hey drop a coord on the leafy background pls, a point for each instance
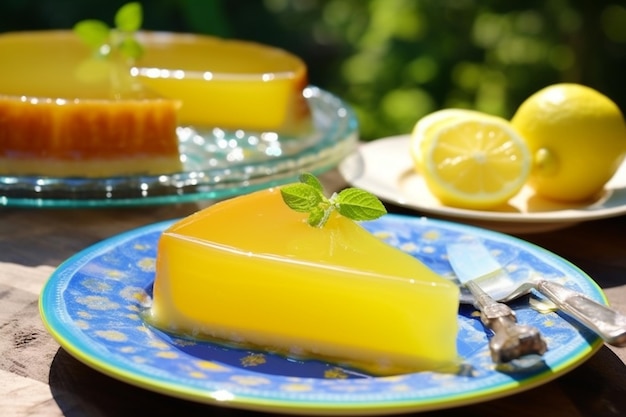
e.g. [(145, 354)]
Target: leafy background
[(396, 60)]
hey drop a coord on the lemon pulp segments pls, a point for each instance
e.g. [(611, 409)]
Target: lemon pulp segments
[(473, 161), (428, 121)]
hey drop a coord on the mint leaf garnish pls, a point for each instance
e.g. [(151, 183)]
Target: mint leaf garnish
[(308, 197), (129, 17), (358, 204), (310, 179), (130, 48), (317, 217), (93, 33), (103, 39), (302, 197)]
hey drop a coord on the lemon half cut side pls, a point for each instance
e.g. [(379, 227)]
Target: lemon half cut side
[(424, 124), (472, 160)]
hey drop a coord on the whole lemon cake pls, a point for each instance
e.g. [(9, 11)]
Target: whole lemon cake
[(251, 271), (64, 113)]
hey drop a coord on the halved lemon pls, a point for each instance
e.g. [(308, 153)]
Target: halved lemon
[(470, 159), (426, 122)]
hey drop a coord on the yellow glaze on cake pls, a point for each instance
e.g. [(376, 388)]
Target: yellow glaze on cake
[(227, 83), (250, 270)]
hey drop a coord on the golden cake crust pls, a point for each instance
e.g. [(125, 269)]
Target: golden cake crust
[(36, 135)]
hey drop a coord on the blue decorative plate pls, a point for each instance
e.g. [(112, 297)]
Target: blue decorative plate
[(92, 306)]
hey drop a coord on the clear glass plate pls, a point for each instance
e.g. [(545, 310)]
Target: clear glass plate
[(217, 164)]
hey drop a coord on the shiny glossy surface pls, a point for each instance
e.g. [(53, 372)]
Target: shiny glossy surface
[(226, 83)]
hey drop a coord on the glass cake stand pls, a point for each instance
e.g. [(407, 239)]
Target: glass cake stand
[(217, 164)]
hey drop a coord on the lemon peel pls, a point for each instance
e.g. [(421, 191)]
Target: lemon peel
[(577, 137)]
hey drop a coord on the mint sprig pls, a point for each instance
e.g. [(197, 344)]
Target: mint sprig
[(104, 40), (307, 196)]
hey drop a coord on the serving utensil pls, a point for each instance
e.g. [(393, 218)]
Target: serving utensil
[(511, 341), (472, 261)]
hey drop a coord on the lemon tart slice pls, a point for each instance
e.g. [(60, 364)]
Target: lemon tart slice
[(253, 272)]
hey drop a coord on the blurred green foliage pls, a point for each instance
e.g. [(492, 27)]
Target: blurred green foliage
[(397, 60)]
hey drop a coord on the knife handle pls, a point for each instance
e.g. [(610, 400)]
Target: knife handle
[(511, 340), (608, 323)]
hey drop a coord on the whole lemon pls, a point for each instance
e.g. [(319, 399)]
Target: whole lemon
[(577, 137)]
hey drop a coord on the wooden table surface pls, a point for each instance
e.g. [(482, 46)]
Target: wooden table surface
[(38, 378)]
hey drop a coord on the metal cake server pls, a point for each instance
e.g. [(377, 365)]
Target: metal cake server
[(511, 341), (473, 260)]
